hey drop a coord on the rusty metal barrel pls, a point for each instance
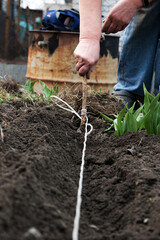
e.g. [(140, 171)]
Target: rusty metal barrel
[(51, 60)]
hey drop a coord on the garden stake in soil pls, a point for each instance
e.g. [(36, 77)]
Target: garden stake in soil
[(84, 101)]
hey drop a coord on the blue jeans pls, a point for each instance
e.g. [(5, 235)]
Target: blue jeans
[(140, 54)]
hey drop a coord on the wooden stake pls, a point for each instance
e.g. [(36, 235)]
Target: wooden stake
[(84, 101)]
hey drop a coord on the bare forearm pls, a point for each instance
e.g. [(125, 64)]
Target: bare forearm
[(140, 3), (90, 19)]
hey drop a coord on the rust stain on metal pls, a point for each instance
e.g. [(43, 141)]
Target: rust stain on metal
[(53, 61)]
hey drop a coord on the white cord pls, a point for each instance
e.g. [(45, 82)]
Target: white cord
[(79, 193), (70, 109)]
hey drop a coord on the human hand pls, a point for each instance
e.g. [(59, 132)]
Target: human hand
[(120, 15), (86, 56)]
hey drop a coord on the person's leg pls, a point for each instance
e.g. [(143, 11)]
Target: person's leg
[(138, 52), (157, 70)]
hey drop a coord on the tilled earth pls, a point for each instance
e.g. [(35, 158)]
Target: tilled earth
[(40, 158)]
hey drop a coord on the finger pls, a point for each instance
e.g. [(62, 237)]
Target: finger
[(82, 74), (124, 26), (79, 65), (84, 70), (76, 60), (106, 24), (116, 29), (111, 28), (119, 28)]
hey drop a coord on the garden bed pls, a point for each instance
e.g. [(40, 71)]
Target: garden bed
[(40, 157)]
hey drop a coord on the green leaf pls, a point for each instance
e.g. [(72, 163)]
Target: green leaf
[(46, 91), (106, 118), (149, 122), (109, 128), (130, 123), (158, 129), (156, 118), (29, 85), (146, 93), (55, 90), (121, 115), (115, 124), (137, 112), (119, 125), (148, 98), (132, 108)]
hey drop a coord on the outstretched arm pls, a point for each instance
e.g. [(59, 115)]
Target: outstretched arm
[(121, 14), (87, 52)]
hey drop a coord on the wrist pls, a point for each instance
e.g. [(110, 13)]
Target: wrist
[(143, 3), (90, 33), (139, 3), (87, 39), (90, 38)]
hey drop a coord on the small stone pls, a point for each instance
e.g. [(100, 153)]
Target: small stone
[(32, 234), (131, 150), (94, 227), (146, 220)]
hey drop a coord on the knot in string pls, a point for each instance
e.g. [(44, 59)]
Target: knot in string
[(83, 112)]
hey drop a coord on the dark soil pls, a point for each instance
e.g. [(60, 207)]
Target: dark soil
[(40, 158)]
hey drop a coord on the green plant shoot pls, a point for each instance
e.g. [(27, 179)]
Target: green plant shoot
[(145, 117), (29, 86), (49, 92)]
